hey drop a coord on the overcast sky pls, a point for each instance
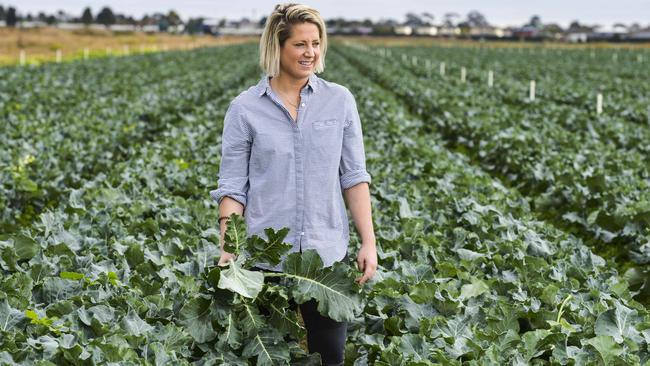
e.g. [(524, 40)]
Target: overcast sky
[(498, 12)]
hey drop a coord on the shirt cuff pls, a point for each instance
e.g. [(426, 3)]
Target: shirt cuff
[(219, 194), (353, 178)]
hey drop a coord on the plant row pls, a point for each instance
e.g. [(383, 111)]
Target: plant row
[(578, 182), (58, 147)]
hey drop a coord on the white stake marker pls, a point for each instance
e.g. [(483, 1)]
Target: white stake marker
[(22, 58), (442, 69), (58, 56), (86, 53), (599, 103), (427, 63), (490, 78), (639, 58), (463, 74), (403, 57), (109, 51), (414, 60), (125, 50), (615, 57), (531, 95)]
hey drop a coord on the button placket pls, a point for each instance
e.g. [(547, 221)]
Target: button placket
[(300, 169)]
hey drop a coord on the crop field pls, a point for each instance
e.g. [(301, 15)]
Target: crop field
[(511, 202)]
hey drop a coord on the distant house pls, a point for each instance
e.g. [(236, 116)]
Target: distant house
[(448, 31), (122, 27), (426, 30), (613, 34), (642, 36), (32, 24), (150, 28), (242, 28), (363, 30), (489, 32), (403, 30), (210, 25), (527, 32), (72, 26), (577, 37)]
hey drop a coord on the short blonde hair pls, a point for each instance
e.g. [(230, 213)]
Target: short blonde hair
[(278, 29)]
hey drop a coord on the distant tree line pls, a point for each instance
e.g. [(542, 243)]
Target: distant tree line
[(105, 16), (474, 19)]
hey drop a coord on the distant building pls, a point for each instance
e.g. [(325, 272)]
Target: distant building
[(31, 24), (577, 37), (403, 30), (74, 26), (210, 25), (150, 28), (449, 31), (642, 36), (527, 32), (426, 30), (489, 32)]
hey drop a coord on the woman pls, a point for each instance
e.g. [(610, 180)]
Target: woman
[(292, 147)]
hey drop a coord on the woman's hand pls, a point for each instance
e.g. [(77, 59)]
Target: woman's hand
[(367, 262), (225, 258)]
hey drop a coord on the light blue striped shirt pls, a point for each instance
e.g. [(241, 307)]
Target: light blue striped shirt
[(290, 173)]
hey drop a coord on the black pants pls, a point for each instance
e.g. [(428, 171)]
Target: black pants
[(324, 335)]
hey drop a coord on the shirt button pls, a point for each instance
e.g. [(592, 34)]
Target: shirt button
[(302, 233), (302, 105)]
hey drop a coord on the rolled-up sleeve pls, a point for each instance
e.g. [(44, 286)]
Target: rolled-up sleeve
[(352, 170), (235, 152)]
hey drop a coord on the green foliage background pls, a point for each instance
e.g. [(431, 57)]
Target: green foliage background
[(489, 210)]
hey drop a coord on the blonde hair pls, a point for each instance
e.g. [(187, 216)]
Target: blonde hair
[(278, 29)]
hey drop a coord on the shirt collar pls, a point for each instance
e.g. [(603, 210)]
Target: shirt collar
[(264, 87)]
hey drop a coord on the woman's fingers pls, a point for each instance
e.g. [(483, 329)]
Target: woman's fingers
[(368, 272), (225, 258)]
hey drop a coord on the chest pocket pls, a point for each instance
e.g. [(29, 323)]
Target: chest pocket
[(325, 133), (323, 124)]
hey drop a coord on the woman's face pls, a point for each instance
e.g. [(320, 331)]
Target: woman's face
[(301, 51)]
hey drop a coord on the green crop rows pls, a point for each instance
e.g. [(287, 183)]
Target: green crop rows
[(510, 231)]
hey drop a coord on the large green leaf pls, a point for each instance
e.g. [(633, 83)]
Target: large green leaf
[(25, 246), (9, 317), (476, 288), (333, 288), (269, 251), (276, 301), (196, 317), (134, 325), (607, 348), (269, 349), (231, 335), (250, 321), (414, 346), (235, 235), (244, 282), (618, 323)]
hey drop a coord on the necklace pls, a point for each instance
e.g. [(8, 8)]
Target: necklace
[(294, 105), (284, 96)]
